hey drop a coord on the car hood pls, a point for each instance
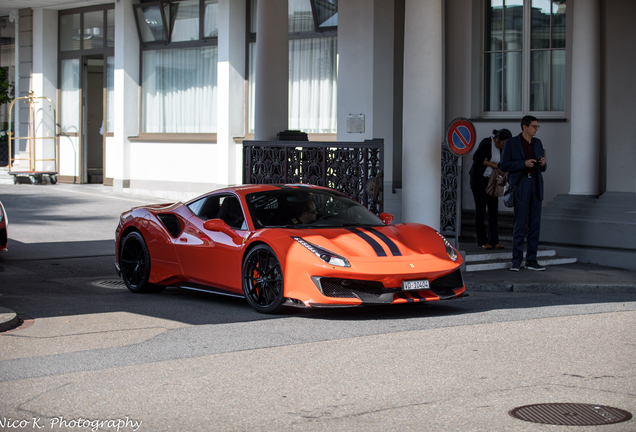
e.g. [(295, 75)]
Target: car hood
[(393, 242)]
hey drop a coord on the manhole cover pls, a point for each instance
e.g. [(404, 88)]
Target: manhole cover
[(112, 283), (570, 414)]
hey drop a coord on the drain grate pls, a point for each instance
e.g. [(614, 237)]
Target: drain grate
[(111, 283), (570, 414)]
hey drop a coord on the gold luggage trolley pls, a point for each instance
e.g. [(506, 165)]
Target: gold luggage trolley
[(34, 176)]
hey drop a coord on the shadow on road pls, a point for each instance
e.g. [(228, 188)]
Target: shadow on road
[(66, 287)]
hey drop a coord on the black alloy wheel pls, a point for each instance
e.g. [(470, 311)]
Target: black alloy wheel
[(263, 280), (134, 262)]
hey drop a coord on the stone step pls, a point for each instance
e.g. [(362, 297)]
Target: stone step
[(498, 265), (496, 256)]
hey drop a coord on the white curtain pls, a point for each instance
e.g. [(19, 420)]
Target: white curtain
[(179, 90), (313, 84), (513, 84), (110, 94), (558, 80), (69, 98), (493, 76)]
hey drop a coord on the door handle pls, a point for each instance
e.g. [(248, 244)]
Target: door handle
[(183, 240)]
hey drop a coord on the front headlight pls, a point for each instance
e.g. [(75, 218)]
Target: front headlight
[(325, 255), (450, 250)]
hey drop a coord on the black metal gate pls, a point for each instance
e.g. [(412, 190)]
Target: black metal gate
[(449, 201), (353, 168)]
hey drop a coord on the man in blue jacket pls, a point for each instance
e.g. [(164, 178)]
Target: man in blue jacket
[(524, 160)]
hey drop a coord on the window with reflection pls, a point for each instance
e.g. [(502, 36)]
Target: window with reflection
[(70, 32), (524, 72), (87, 29), (110, 28)]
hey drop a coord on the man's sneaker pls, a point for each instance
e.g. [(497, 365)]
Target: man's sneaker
[(533, 265), (515, 267)]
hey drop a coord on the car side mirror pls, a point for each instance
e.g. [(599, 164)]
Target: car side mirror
[(386, 218), (219, 225)]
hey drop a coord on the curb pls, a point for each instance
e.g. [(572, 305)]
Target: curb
[(551, 288), (8, 319)]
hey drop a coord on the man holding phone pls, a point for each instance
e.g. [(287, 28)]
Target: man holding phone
[(523, 158)]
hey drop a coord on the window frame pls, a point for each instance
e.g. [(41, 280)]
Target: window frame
[(526, 68)]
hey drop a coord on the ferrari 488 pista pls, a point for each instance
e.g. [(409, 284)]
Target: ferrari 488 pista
[(285, 245)]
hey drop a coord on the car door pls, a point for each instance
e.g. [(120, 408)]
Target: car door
[(211, 257)]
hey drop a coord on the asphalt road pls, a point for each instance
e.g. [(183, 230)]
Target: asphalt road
[(190, 361)]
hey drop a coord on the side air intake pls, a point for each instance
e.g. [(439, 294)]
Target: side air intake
[(171, 222)]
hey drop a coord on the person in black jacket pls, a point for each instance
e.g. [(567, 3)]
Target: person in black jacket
[(485, 158)]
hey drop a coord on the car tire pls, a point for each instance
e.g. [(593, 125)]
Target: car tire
[(134, 262), (263, 283)]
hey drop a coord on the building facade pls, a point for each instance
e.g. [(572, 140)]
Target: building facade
[(157, 97)]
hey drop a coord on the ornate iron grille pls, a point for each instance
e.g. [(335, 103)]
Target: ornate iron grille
[(450, 176), (4, 152), (353, 168)]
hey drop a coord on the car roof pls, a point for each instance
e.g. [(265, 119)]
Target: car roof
[(251, 188), (245, 189)]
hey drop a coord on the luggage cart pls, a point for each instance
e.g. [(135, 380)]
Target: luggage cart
[(34, 176)]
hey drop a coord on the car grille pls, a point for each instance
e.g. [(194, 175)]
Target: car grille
[(443, 286), (351, 288)]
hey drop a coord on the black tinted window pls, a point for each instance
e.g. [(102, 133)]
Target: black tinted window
[(307, 207)]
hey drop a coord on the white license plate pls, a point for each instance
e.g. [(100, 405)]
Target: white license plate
[(416, 285)]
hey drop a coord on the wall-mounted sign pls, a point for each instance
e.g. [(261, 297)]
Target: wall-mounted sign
[(355, 123)]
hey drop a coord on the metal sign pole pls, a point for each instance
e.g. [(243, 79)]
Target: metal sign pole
[(458, 210)]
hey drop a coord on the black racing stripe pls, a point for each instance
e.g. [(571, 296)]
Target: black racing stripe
[(367, 238), (387, 241)]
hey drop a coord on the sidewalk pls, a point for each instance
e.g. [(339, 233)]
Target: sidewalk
[(558, 279), (576, 277)]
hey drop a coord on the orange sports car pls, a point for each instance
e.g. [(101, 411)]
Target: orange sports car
[(285, 245)]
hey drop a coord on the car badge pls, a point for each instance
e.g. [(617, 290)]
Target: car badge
[(412, 265)]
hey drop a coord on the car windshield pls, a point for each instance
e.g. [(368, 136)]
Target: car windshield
[(302, 208)]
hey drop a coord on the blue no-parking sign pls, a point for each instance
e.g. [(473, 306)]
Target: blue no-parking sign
[(460, 136)]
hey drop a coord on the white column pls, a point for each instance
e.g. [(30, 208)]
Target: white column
[(126, 91), (231, 86), (355, 68), (423, 111), (586, 98), (271, 69), (14, 17), (44, 82), (365, 72)]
